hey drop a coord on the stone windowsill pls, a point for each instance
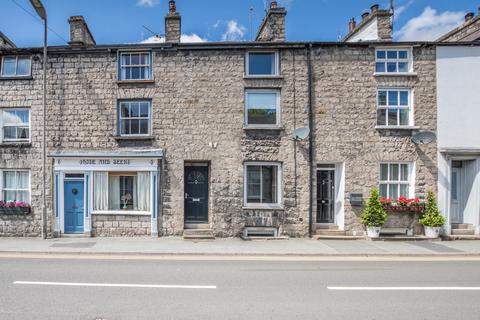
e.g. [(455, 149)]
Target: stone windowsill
[(134, 138), (121, 213), (16, 78), (265, 77), (395, 74), (273, 128), (151, 81), (397, 127), (268, 208), (26, 144)]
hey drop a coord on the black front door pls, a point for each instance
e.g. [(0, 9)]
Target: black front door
[(325, 196), (196, 194)]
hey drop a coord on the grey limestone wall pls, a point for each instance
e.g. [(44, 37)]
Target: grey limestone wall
[(120, 226), (345, 117)]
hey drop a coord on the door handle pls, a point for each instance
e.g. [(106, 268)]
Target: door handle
[(195, 199), (186, 195)]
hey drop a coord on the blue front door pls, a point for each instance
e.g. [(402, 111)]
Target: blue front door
[(73, 204)]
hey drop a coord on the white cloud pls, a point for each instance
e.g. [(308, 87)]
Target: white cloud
[(148, 3), (429, 25), (185, 38), (234, 32), (402, 8)]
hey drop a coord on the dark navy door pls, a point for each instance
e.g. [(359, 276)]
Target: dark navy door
[(73, 206), (196, 194)]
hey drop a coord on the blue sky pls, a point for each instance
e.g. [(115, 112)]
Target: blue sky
[(121, 21)]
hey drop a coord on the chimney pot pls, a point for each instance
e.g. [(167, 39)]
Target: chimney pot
[(374, 8), (352, 24), (273, 4), (365, 15), (469, 16), (172, 7)]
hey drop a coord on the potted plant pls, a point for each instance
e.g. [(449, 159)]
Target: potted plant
[(374, 215), (432, 220), (14, 208)]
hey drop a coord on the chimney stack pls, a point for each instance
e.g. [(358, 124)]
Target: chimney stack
[(469, 16), (173, 23), (80, 35), (352, 24), (273, 25)]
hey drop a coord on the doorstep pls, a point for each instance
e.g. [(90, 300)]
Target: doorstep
[(460, 237), (263, 238), (342, 237), (404, 238)]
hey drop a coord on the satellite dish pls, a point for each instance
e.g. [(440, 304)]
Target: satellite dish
[(301, 133), (425, 137)]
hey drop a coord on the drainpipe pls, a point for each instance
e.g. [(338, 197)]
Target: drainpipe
[(310, 138)]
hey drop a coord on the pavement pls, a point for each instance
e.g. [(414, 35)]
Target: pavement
[(106, 289), (238, 247)]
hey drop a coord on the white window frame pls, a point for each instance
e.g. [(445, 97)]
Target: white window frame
[(16, 67), (120, 118), (410, 182), (409, 60), (410, 108), (121, 66), (279, 204), (278, 108), (247, 64), (2, 125), (29, 189)]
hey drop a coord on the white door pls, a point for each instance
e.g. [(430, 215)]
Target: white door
[(455, 204)]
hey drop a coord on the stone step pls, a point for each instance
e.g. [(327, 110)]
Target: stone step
[(197, 226), (463, 232), (327, 232), (326, 226), (344, 237), (460, 237), (462, 226), (198, 234)]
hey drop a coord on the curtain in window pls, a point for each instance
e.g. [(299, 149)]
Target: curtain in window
[(100, 191), (114, 192), (9, 182), (143, 191)]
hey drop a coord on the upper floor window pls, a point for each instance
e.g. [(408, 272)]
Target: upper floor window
[(15, 125), (393, 61), (262, 108), (262, 64), (396, 180), (394, 107), (134, 118), (135, 66), (16, 66), (16, 185), (262, 184)]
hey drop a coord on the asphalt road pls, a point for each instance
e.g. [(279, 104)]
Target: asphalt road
[(169, 289)]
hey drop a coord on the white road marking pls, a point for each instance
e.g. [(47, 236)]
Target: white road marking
[(115, 285), (404, 288)]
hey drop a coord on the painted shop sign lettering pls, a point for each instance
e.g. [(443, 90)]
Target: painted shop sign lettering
[(105, 162)]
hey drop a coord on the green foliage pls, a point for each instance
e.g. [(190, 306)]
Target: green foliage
[(432, 216), (374, 214)]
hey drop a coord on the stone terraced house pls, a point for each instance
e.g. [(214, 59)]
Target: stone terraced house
[(210, 139)]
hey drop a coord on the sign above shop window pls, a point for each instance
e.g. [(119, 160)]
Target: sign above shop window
[(105, 164)]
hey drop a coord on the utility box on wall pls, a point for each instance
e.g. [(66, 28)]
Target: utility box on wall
[(356, 199)]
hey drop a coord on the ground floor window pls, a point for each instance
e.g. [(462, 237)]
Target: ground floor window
[(395, 179), (16, 185), (121, 191), (262, 183)]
